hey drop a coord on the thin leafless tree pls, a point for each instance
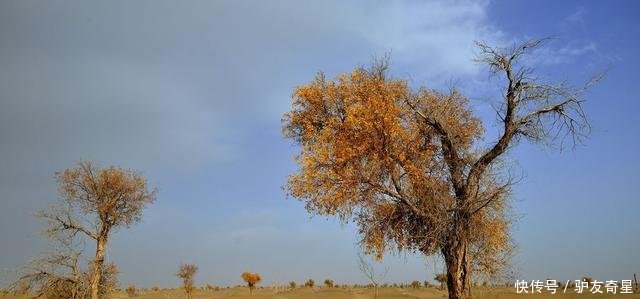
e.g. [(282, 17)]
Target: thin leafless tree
[(369, 271)]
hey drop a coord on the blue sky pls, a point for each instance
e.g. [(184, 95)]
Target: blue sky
[(192, 94)]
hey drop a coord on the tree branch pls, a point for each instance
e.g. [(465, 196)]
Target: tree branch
[(450, 152), (67, 224)]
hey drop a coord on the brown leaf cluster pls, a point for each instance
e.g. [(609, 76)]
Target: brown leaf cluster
[(117, 196)]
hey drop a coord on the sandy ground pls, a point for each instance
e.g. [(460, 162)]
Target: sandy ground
[(339, 293)]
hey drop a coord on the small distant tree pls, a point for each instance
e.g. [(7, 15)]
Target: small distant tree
[(442, 279), (210, 287), (328, 283), (588, 279), (292, 284), (310, 283), (415, 284), (186, 273), (131, 291), (251, 279)]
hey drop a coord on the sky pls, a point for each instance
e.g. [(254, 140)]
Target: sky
[(191, 94)]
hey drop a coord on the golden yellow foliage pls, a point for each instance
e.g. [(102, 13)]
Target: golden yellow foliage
[(364, 151), (251, 279)]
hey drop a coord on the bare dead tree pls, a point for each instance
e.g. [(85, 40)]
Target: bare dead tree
[(59, 274), (369, 272)]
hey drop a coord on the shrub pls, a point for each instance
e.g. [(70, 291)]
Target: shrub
[(310, 283), (328, 283), (53, 285), (442, 279), (131, 291), (292, 284)]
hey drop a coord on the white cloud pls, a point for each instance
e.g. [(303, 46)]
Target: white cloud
[(431, 38), (558, 52), (577, 17)]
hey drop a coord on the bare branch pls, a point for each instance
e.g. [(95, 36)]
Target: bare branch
[(61, 221), (533, 110)]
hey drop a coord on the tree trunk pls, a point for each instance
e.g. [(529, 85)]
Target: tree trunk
[(455, 256), (101, 246)]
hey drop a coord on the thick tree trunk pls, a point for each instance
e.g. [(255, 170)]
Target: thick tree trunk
[(98, 262), (457, 262)]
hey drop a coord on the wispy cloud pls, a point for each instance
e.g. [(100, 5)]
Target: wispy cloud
[(557, 53), (577, 17)]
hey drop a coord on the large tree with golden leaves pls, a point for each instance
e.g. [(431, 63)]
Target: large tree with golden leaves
[(408, 166)]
